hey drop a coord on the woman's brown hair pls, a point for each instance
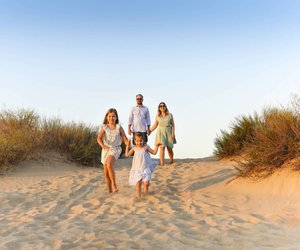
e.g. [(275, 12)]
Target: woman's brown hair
[(158, 110)]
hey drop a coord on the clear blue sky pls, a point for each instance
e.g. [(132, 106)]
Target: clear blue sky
[(210, 61)]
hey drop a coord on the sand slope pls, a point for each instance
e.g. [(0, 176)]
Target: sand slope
[(52, 204)]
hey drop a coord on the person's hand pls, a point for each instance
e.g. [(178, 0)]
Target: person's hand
[(129, 131), (158, 144), (148, 132), (128, 143), (174, 139)]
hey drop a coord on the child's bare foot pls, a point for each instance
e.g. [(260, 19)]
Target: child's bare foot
[(138, 196), (116, 190), (171, 162)]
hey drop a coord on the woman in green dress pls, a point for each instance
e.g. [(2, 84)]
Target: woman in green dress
[(165, 133)]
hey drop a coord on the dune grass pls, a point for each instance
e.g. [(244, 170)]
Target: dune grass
[(265, 142), (242, 132), (19, 135), (23, 134)]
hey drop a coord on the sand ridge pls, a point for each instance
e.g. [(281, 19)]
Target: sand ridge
[(53, 204)]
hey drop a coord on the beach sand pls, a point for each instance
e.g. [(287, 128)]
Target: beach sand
[(50, 203)]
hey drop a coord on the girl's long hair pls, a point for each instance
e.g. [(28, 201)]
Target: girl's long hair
[(111, 110)]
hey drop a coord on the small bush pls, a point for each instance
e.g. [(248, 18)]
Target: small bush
[(266, 143), (242, 129), (275, 142), (19, 135), (23, 133), (78, 141)]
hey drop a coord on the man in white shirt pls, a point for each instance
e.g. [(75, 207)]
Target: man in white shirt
[(139, 119)]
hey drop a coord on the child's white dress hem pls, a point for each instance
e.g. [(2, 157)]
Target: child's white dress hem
[(142, 167)]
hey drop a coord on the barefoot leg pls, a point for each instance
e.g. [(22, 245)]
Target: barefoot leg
[(107, 179), (162, 155), (138, 188), (171, 154), (146, 186), (110, 163)]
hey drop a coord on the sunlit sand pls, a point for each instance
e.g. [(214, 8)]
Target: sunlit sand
[(50, 203)]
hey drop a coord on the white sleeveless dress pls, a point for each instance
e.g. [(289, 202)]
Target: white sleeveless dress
[(112, 139), (142, 167)]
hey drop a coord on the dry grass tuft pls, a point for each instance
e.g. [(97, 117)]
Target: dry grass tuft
[(272, 141), (24, 133)]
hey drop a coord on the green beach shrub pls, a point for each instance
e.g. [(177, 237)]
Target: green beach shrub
[(19, 135), (23, 134), (265, 142), (276, 142), (77, 140), (241, 132)]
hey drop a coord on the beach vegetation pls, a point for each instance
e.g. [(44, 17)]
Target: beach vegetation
[(241, 132), (24, 134), (271, 142)]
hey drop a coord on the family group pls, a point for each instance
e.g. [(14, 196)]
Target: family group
[(112, 134)]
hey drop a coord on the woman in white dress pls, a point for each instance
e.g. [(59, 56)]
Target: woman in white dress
[(110, 139), (142, 164)]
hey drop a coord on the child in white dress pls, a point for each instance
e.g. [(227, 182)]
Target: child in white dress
[(142, 164), (110, 139)]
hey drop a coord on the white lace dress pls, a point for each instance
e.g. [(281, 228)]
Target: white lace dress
[(113, 139), (142, 166)]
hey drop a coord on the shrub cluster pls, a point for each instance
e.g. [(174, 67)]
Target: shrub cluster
[(19, 135), (23, 134), (242, 132), (266, 142)]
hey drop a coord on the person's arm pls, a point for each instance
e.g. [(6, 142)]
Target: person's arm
[(153, 151), (148, 121), (154, 126), (127, 151), (148, 130), (123, 135), (100, 139), (173, 127), (129, 129)]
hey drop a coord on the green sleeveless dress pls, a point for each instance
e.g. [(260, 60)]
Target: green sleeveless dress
[(164, 131)]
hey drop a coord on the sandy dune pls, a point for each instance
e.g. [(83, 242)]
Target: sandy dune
[(52, 204)]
